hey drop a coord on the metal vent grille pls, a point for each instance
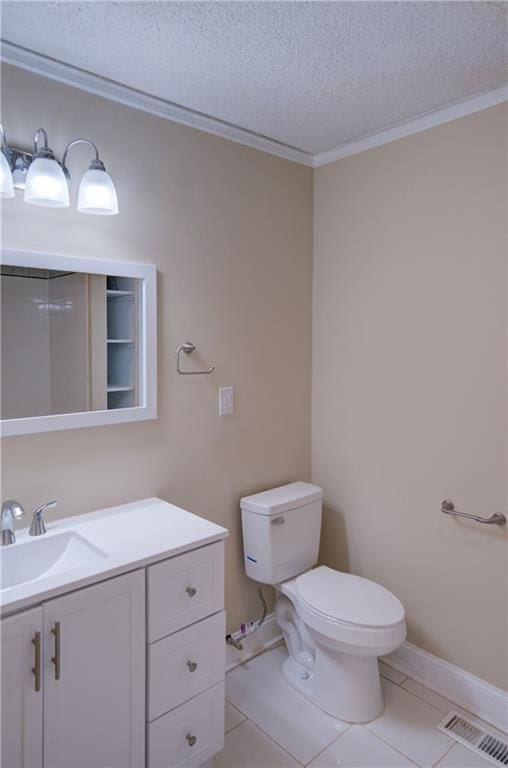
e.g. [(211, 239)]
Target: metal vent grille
[(475, 736)]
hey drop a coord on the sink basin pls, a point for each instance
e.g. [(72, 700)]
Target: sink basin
[(29, 560)]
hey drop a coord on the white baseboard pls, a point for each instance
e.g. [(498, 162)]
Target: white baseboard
[(467, 691), (263, 638), (460, 687)]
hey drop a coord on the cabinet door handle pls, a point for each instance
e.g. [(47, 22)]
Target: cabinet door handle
[(191, 591), (191, 740), (193, 665), (36, 669), (56, 658)]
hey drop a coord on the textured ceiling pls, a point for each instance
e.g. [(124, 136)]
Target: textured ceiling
[(312, 75)]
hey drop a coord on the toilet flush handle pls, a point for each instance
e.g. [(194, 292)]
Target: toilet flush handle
[(277, 521)]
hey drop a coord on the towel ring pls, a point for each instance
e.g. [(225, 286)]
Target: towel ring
[(189, 347)]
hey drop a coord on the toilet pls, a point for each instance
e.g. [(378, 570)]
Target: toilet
[(335, 624)]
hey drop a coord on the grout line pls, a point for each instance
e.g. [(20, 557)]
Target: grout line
[(405, 677), (392, 681), (446, 753), (408, 757), (239, 712), (331, 743), (443, 712), (238, 708), (245, 720), (274, 741), (451, 704), (410, 693), (396, 749)]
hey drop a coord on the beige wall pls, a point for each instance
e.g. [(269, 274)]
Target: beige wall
[(230, 230), (409, 379), (409, 374)]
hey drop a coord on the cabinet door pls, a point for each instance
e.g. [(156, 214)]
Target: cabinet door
[(21, 713), (95, 676)]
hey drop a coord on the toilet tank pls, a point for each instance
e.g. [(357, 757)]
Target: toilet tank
[(281, 530)]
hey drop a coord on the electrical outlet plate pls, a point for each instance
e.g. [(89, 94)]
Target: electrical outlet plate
[(226, 401)]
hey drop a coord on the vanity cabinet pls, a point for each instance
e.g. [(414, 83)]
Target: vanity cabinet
[(77, 665), (125, 673), (94, 663), (21, 713)]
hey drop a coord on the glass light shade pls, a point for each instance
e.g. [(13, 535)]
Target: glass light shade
[(46, 184), (97, 193), (6, 184)]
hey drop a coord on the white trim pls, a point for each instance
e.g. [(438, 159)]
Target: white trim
[(457, 685), (261, 640), (148, 343), (417, 124), (130, 97)]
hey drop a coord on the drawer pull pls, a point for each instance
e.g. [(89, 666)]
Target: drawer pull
[(191, 740), (191, 591), (193, 665)]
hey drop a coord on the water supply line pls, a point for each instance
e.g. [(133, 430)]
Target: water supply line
[(250, 627)]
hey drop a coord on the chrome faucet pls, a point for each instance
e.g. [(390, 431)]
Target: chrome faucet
[(37, 528), (11, 510)]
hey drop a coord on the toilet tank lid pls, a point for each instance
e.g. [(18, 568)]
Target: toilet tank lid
[(282, 499)]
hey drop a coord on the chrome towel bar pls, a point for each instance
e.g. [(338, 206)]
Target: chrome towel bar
[(448, 507), (189, 347)]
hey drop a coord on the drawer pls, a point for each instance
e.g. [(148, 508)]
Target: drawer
[(190, 734), (184, 664), (185, 589)]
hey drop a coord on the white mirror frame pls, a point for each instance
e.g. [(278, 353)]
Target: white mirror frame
[(147, 273)]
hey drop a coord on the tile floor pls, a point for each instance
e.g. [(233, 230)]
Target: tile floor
[(269, 725)]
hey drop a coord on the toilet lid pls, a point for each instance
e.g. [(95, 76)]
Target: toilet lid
[(350, 599)]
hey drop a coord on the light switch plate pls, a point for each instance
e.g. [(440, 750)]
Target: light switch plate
[(226, 401)]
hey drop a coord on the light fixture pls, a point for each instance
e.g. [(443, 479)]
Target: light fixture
[(97, 193), (6, 184), (46, 181), (46, 184)]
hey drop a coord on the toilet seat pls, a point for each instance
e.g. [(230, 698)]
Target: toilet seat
[(348, 599), (360, 616)]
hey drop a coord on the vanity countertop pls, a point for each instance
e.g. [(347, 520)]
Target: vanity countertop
[(119, 539)]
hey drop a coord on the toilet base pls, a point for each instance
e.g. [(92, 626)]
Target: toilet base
[(344, 685), (350, 692)]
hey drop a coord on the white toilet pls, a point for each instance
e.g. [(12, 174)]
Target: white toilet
[(335, 624)]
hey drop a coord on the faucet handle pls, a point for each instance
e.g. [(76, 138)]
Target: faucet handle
[(37, 528)]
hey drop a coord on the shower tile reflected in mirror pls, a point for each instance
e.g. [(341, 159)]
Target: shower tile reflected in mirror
[(69, 342)]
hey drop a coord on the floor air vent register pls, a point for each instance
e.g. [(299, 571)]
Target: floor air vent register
[(475, 735)]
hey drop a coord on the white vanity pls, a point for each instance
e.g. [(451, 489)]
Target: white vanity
[(112, 640)]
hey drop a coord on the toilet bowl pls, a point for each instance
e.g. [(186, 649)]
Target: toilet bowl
[(335, 624)]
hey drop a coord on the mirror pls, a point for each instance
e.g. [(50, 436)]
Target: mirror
[(77, 342)]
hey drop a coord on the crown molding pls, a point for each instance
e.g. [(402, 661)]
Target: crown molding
[(422, 123), (130, 97)]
